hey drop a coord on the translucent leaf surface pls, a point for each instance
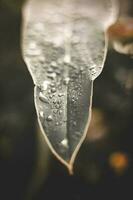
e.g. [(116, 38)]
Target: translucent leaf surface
[(64, 46)]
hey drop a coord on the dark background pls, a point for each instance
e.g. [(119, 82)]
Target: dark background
[(24, 171)]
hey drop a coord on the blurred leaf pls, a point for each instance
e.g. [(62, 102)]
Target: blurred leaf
[(121, 35)]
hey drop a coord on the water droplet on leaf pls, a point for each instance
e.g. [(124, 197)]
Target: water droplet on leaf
[(49, 118), (43, 98), (41, 114), (64, 142)]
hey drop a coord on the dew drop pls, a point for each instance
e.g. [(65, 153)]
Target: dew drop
[(49, 91), (64, 142), (50, 70), (93, 71), (57, 106), (53, 90), (33, 50), (60, 94), (57, 124), (59, 101), (74, 123), (32, 45), (81, 69), (43, 98), (45, 85), (54, 101), (52, 84), (60, 112), (51, 76), (49, 118), (53, 64), (92, 67), (67, 58), (51, 96), (58, 72), (41, 114), (66, 80)]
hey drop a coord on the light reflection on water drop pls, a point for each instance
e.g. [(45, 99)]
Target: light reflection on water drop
[(60, 94), (52, 84), (41, 114), (45, 85), (49, 118), (67, 58), (53, 90), (43, 98), (57, 124), (50, 70), (53, 64), (52, 75), (66, 80), (60, 112), (32, 45), (65, 143), (93, 71), (57, 106)]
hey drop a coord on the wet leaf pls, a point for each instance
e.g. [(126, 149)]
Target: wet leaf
[(64, 46)]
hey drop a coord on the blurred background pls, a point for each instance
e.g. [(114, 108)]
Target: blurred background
[(104, 165)]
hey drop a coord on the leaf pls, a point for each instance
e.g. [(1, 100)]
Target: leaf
[(64, 46)]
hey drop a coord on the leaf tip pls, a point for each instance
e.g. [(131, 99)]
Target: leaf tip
[(70, 169)]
